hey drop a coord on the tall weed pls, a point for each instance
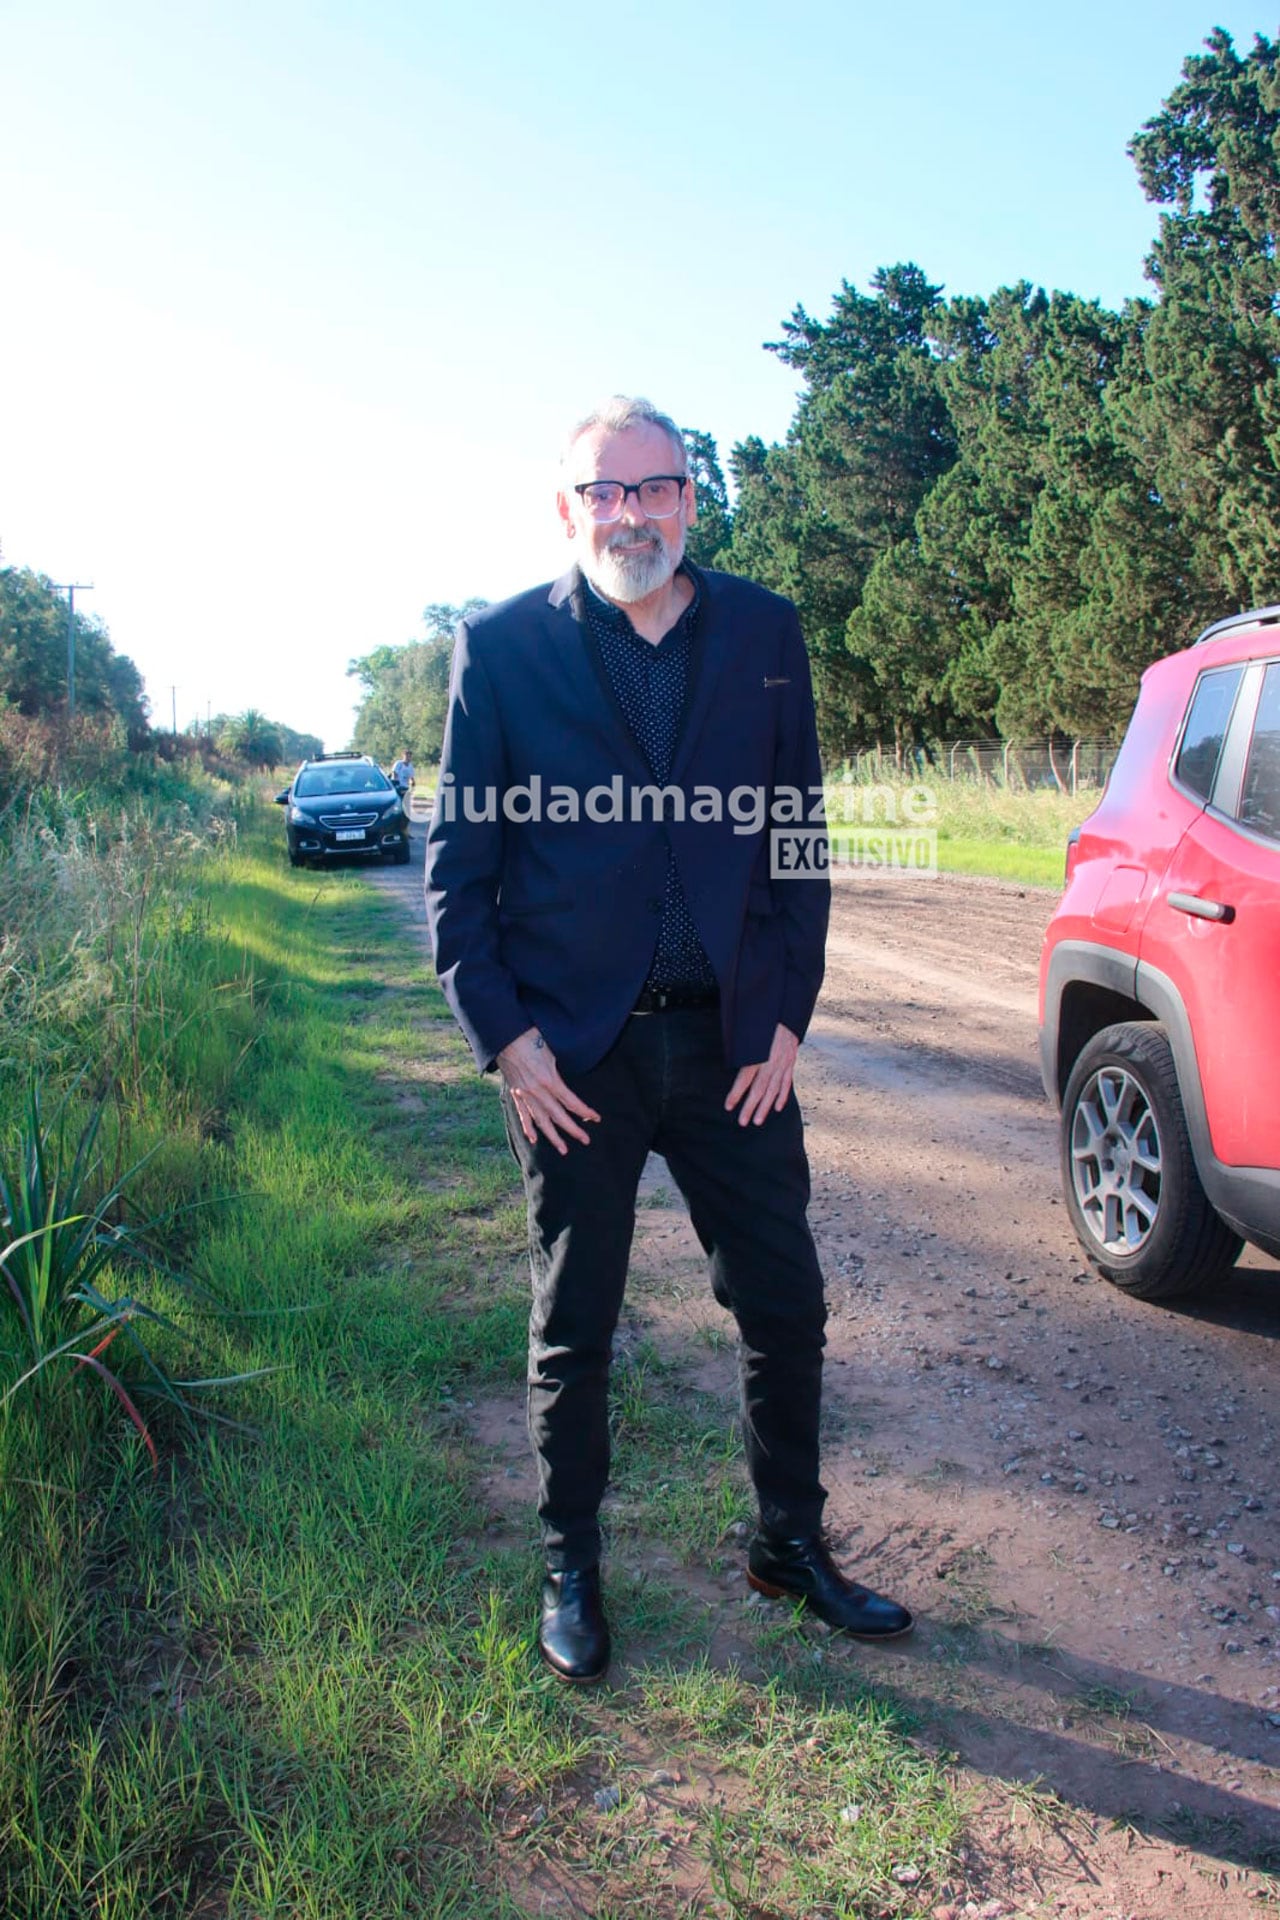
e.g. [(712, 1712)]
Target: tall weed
[(95, 895)]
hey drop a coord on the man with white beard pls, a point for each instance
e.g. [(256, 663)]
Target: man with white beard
[(644, 983)]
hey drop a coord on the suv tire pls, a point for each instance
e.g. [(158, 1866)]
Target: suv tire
[(1128, 1172)]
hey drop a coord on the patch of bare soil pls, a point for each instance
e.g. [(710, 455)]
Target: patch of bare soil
[(1107, 1464), (1075, 1491)]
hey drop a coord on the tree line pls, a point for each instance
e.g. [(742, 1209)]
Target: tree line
[(254, 740), (994, 511), (34, 620), (405, 689), (40, 736)]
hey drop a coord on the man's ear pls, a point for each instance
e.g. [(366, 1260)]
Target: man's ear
[(565, 510)]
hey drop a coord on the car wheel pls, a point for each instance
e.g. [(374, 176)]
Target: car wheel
[(401, 855), (1130, 1179), (295, 859)]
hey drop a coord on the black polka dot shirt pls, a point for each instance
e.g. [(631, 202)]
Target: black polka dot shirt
[(650, 683)]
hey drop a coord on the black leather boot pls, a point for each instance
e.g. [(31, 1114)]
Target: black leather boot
[(573, 1638), (804, 1570)]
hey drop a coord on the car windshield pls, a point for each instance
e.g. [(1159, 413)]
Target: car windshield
[(340, 779)]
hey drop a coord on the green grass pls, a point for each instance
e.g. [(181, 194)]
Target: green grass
[(983, 829), (991, 859), (291, 1674), (1027, 866), (677, 1473)]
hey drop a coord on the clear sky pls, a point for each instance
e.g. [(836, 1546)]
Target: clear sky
[(298, 297)]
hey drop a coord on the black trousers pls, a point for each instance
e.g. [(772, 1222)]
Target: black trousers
[(663, 1086)]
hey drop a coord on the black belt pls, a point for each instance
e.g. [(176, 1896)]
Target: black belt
[(676, 999)]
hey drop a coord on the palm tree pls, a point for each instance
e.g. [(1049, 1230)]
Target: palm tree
[(251, 737)]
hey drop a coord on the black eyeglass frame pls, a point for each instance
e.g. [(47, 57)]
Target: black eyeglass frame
[(581, 488)]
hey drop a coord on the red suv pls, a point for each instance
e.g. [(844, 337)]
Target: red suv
[(1160, 976)]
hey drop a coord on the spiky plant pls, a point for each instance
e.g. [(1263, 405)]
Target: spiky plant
[(65, 1247)]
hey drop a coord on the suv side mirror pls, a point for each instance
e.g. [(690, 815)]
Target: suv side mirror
[(282, 799)]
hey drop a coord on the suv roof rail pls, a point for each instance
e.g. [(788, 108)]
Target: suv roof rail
[(345, 754), (1258, 617)]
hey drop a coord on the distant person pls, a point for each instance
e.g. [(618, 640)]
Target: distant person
[(643, 983), (403, 773)]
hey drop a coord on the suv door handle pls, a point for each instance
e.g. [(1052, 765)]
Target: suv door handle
[(1202, 909)]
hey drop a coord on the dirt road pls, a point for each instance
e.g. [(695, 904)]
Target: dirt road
[(1086, 1480), (1074, 1490)]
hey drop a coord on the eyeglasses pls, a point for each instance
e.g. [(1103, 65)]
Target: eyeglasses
[(658, 496)]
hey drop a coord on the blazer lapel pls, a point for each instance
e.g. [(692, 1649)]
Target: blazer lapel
[(712, 647), (584, 662)]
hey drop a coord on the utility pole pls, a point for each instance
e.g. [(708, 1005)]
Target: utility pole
[(71, 590), (173, 695)]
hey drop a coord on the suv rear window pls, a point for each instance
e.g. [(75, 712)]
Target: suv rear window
[(1260, 800), (1198, 756)]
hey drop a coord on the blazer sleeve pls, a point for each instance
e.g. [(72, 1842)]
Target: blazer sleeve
[(804, 904), (464, 864)]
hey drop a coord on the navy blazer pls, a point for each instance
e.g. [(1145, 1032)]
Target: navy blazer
[(552, 921)]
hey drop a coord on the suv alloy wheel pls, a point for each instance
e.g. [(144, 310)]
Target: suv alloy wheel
[(1128, 1171)]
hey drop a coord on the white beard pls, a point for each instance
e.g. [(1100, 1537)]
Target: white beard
[(628, 577)]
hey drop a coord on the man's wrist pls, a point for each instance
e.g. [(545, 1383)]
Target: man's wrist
[(495, 1053)]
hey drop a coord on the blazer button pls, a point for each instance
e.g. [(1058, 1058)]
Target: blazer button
[(654, 905)]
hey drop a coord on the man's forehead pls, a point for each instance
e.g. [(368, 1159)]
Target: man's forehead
[(602, 453)]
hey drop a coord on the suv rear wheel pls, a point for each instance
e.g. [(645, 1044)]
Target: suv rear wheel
[(1132, 1189)]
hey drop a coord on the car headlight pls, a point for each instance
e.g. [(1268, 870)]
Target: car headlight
[(301, 819)]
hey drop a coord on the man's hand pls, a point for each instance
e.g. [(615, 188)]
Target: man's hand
[(542, 1100), (768, 1085)]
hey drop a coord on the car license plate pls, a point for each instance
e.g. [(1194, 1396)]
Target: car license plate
[(349, 833)]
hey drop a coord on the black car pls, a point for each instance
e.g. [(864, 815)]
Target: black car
[(340, 804)]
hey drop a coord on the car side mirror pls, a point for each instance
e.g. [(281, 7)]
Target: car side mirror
[(282, 799)]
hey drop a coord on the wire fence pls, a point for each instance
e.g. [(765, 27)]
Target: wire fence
[(1072, 766)]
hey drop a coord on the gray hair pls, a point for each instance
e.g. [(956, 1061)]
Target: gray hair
[(620, 413)]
